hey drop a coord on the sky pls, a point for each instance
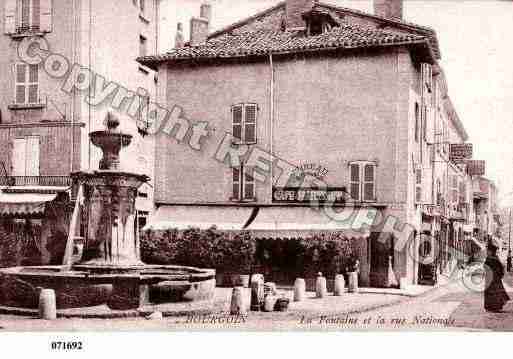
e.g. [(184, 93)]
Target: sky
[(477, 52)]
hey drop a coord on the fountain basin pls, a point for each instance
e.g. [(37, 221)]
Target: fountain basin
[(117, 288)]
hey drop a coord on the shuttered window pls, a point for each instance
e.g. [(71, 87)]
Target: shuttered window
[(26, 156), (29, 15), (27, 84), (454, 189), (236, 184), (22, 16), (243, 184), (418, 186), (363, 181), (244, 122)]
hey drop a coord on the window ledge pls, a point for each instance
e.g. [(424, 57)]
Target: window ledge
[(144, 18), (242, 143), (236, 200), (21, 35), (25, 106)]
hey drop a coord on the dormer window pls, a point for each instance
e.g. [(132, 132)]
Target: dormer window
[(318, 22), (316, 27)]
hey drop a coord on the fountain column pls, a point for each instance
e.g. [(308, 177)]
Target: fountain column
[(109, 204)]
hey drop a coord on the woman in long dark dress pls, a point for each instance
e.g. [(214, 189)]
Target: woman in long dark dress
[(495, 295)]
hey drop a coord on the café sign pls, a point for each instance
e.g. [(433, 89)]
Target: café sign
[(306, 195), (459, 152)]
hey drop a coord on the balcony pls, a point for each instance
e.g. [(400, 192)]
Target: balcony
[(52, 181)]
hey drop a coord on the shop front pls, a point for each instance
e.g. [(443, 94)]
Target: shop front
[(33, 225)]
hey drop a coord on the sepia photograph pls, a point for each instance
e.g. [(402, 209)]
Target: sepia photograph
[(255, 166)]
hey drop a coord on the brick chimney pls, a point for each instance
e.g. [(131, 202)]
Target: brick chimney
[(200, 25), (389, 9), (206, 11), (294, 10), (179, 36)]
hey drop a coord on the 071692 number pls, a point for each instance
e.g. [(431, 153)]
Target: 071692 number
[(66, 345)]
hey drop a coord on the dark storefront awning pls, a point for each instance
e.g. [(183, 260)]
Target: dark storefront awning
[(21, 205), (276, 221)]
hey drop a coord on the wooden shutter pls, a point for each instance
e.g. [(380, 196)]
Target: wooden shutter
[(33, 84), (10, 16), (369, 179), (46, 15), (355, 181), (32, 159), (249, 184), (250, 118), (236, 183), (19, 157), (20, 73), (237, 122), (418, 186), (36, 14)]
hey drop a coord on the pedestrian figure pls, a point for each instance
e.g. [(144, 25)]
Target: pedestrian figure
[(495, 295)]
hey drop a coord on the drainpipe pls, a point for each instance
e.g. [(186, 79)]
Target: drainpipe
[(271, 119)]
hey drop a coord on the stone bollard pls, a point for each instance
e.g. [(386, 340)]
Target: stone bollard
[(47, 304), (299, 290), (238, 304), (352, 279), (269, 288), (269, 303), (155, 316), (340, 285), (257, 294), (321, 289), (256, 277)]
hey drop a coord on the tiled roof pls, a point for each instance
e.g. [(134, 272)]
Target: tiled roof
[(261, 42), (259, 35)]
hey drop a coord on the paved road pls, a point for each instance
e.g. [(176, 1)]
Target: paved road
[(452, 307)]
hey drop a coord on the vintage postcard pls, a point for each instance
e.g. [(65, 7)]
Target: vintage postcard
[(255, 165)]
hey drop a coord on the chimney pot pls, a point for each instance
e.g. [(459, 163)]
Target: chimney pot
[(389, 9), (206, 11), (179, 42), (199, 31)]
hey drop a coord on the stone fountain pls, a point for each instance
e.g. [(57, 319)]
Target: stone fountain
[(110, 272)]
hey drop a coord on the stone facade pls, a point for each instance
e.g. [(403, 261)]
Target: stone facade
[(99, 37), (328, 109)]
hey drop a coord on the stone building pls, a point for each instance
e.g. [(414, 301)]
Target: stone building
[(488, 220), (355, 101), (44, 128)]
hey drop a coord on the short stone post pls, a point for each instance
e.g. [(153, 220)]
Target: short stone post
[(340, 285), (321, 289), (257, 293), (269, 303), (238, 304), (269, 288), (352, 285), (47, 304), (299, 290)]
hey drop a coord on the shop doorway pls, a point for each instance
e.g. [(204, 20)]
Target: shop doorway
[(381, 249)]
